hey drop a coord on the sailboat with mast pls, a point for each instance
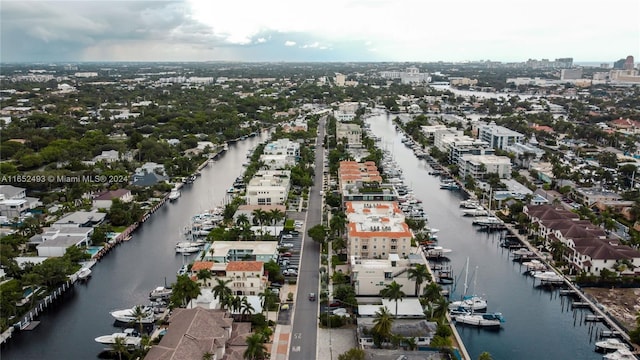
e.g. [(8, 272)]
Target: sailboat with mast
[(469, 302)]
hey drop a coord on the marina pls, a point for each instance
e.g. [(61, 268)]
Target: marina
[(131, 270), (538, 314)]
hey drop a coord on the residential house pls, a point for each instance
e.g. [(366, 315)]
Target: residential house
[(14, 201), (269, 187), (369, 276), (192, 333), (226, 251), (54, 242), (588, 247), (80, 219), (105, 199)]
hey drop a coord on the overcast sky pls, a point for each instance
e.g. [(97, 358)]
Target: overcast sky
[(318, 30)]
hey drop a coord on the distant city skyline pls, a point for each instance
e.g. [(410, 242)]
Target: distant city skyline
[(334, 30)]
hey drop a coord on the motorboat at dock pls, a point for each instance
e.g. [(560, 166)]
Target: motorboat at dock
[(160, 292), (130, 338), (129, 315), (492, 320), (84, 273), (611, 345)]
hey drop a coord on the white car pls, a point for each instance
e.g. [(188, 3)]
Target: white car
[(287, 245), (287, 236), (289, 272)]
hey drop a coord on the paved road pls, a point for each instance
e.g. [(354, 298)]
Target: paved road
[(305, 319)]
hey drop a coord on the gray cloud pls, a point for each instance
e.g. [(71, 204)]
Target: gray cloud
[(64, 30)]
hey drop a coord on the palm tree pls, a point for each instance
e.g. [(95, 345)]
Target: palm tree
[(207, 356), (119, 347), (485, 356), (32, 280), (246, 308), (411, 343), (242, 220), (276, 215), (338, 223), (260, 217), (234, 303), (432, 292), (139, 313), (255, 347), (184, 290), (222, 291), (204, 275), (382, 323), (268, 298), (393, 292), (420, 274)]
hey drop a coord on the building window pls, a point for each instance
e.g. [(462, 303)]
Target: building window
[(388, 275)]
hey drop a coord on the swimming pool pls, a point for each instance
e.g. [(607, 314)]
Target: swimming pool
[(93, 250)]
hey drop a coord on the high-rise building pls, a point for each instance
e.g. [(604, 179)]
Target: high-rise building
[(628, 63), (619, 65)]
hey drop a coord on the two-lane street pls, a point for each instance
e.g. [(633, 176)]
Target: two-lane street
[(305, 320)]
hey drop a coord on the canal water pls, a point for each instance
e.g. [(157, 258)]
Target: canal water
[(124, 277), (540, 323)]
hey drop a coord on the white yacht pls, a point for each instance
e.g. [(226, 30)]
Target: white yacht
[(620, 354), (611, 345), (129, 336), (160, 292), (174, 195), (483, 320), (127, 315), (549, 277), (84, 273)]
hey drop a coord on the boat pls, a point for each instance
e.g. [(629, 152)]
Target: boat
[(130, 337), (127, 315), (174, 195), (469, 204), (611, 345), (620, 354), (436, 252), (469, 302), (488, 220), (187, 249), (449, 185), (548, 277), (160, 292), (534, 265), (84, 273), (494, 320), (478, 211)]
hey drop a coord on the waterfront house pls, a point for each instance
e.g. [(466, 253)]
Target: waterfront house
[(369, 276), (247, 277), (54, 242), (589, 249), (269, 187), (105, 199), (107, 156), (226, 251), (14, 201), (80, 219), (192, 333)]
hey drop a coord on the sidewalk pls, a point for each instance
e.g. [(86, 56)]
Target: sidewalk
[(282, 333)]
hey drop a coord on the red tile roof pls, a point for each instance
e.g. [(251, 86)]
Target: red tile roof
[(245, 266)]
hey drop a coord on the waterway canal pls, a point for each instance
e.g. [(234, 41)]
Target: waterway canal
[(539, 322), (124, 277)]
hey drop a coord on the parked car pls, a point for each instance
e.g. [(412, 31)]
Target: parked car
[(287, 245), (286, 254), (289, 272), (292, 267), (287, 236)]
